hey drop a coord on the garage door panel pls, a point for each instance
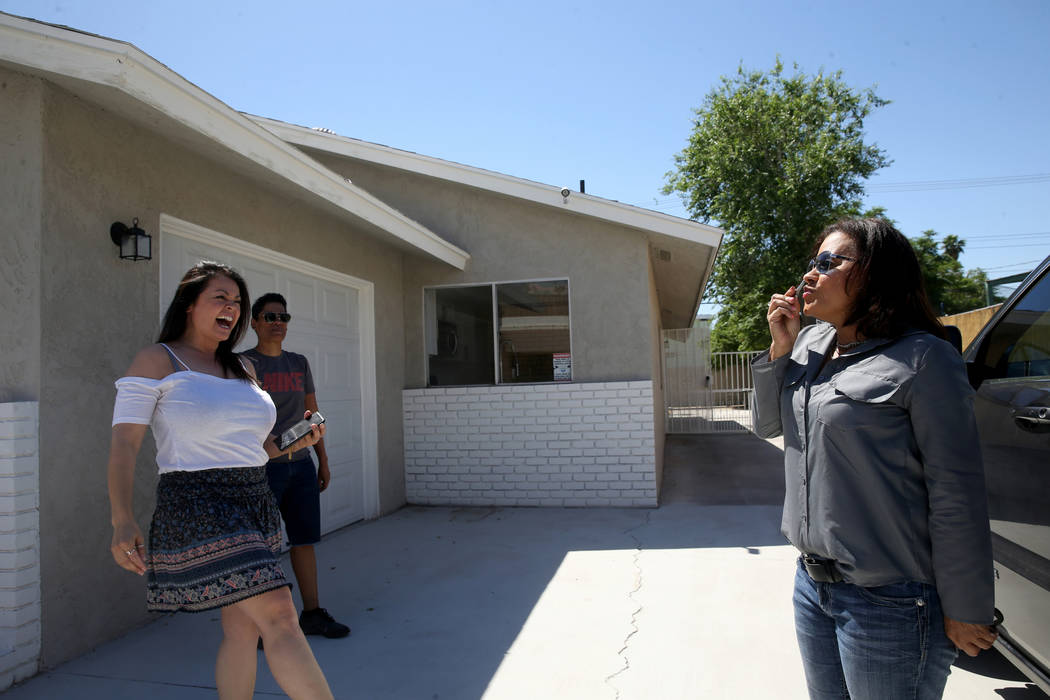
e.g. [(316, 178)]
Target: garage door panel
[(260, 280), (341, 429), (324, 330), (341, 501), (336, 358), (336, 305), (345, 495), (195, 253), (302, 299), (338, 369)]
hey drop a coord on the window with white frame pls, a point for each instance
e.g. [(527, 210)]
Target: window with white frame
[(498, 333)]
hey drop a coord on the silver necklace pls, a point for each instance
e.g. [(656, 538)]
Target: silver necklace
[(846, 347)]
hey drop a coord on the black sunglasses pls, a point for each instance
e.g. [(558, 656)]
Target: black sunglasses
[(274, 316), (825, 261)]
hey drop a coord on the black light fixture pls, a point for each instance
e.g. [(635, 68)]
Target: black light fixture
[(135, 244)]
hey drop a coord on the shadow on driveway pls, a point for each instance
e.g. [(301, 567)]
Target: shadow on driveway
[(728, 469), (688, 600)]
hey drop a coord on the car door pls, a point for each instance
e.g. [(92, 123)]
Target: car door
[(1010, 367)]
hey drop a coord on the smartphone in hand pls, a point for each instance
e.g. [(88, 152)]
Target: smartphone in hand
[(298, 431), (803, 319)]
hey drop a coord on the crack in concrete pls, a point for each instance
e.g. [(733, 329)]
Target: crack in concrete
[(630, 595)]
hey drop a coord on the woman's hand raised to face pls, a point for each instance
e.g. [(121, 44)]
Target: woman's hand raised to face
[(783, 315)]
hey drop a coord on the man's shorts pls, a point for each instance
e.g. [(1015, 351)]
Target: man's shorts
[(294, 485)]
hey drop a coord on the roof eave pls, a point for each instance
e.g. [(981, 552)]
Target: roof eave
[(548, 195), (86, 57)]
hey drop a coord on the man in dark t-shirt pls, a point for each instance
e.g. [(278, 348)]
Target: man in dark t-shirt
[(295, 483)]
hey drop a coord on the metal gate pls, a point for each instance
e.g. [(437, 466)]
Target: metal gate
[(705, 392)]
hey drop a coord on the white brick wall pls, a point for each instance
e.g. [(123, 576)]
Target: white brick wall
[(531, 445), (19, 543)]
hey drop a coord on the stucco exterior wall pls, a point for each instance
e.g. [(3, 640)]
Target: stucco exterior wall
[(98, 311), (607, 265), (21, 179), (656, 343)]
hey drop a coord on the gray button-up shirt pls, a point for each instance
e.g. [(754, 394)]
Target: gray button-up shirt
[(882, 463)]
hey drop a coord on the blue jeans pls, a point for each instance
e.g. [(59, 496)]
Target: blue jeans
[(871, 643)]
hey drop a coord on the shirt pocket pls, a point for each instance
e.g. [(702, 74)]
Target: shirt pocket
[(861, 400), (793, 394)]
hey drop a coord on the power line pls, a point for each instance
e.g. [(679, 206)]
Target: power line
[(1006, 235), (1018, 264), (1019, 245), (957, 184), (953, 184)]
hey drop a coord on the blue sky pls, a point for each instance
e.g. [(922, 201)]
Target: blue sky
[(604, 91)]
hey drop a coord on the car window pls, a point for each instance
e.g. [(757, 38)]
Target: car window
[(1019, 346)]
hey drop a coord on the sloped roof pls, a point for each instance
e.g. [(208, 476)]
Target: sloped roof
[(129, 82), (682, 251), (550, 195)]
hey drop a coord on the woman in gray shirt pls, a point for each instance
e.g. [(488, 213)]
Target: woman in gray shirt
[(885, 490)]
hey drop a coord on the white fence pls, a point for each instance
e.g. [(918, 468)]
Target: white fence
[(705, 392)]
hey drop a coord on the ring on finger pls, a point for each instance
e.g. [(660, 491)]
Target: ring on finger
[(129, 552)]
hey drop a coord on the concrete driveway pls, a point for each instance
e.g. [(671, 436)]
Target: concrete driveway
[(690, 600)]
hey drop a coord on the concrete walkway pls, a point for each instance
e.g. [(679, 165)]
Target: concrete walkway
[(691, 600)]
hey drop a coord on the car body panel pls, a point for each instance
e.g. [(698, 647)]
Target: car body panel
[(1009, 365)]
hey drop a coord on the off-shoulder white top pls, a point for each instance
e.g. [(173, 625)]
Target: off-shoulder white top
[(199, 421)]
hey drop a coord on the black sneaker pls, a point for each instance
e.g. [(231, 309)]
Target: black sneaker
[(318, 621)]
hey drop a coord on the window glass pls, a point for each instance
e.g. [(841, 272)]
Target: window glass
[(533, 331), (522, 337), (459, 336), (1019, 346)]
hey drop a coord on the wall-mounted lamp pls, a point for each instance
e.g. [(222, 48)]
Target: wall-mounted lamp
[(135, 244)]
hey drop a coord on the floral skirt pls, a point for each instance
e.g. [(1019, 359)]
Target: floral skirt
[(214, 540)]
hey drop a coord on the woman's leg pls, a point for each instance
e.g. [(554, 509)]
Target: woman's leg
[(235, 664), (892, 641), (289, 656), (815, 630)]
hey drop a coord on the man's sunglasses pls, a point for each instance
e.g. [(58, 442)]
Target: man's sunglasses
[(274, 317), (825, 261)]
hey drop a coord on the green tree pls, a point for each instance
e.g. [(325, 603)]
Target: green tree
[(772, 159), (951, 289)]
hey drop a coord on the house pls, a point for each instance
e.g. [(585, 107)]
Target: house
[(476, 338)]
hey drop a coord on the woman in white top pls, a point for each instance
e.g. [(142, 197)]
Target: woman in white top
[(214, 537)]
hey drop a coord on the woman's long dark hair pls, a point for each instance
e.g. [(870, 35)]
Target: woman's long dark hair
[(191, 286), (891, 298)]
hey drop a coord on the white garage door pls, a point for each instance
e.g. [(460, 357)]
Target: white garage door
[(331, 325)]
